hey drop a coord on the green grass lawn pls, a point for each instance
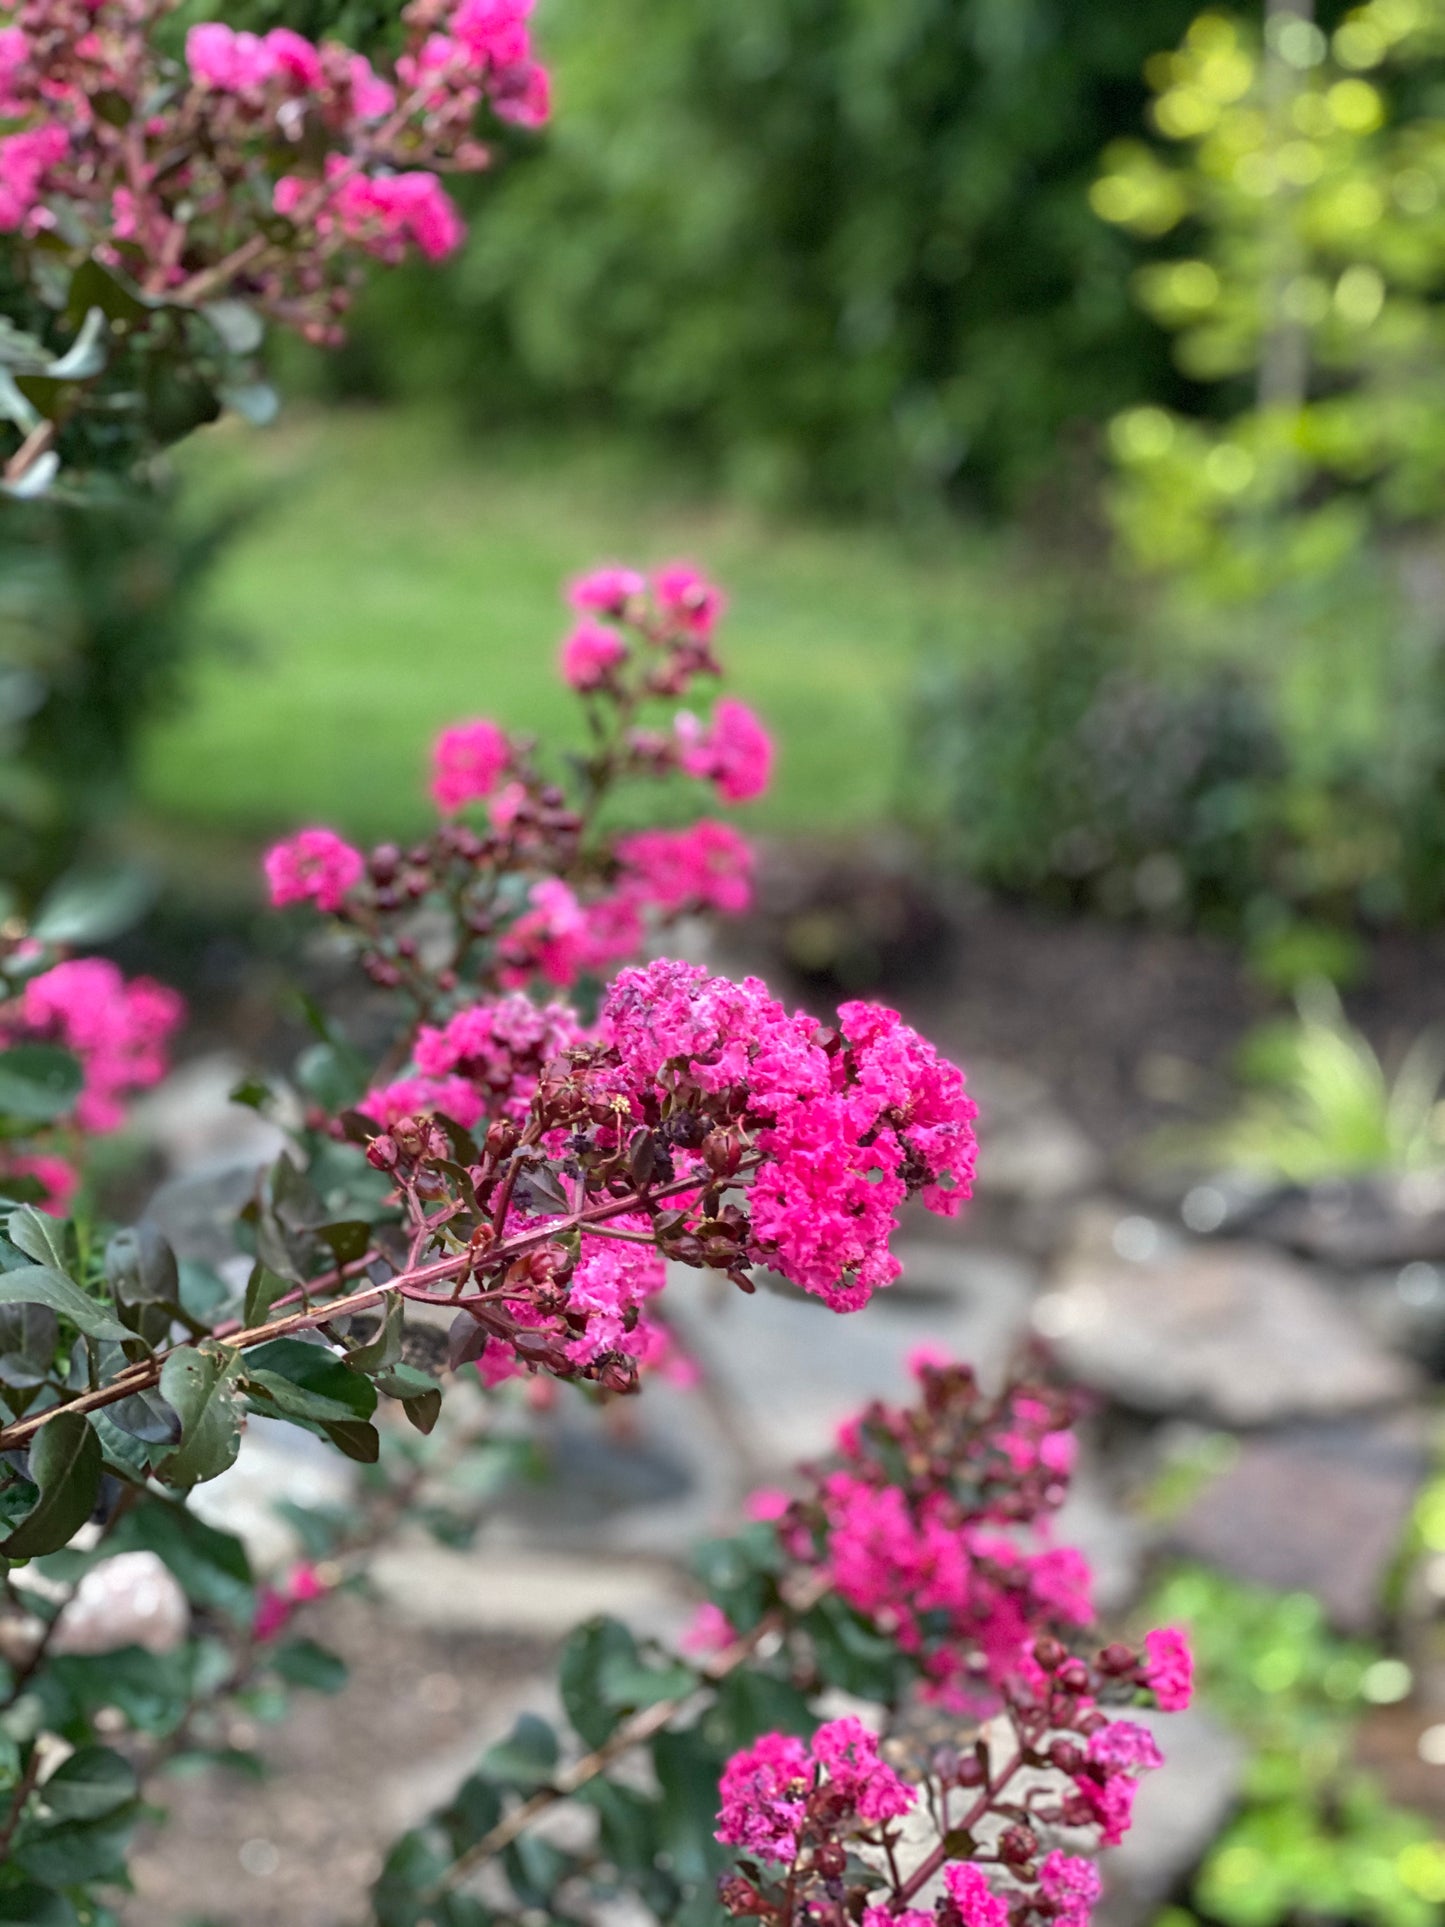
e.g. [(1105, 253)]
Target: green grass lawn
[(398, 579)]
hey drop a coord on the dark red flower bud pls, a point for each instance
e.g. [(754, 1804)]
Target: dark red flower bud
[(1016, 1845)]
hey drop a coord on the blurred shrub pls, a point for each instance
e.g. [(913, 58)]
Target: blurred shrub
[(834, 247), (98, 616), (1063, 768), (1074, 765), (1312, 1838)]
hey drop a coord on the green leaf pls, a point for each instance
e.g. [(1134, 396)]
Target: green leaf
[(751, 1703), (348, 1240), (76, 1852), (687, 1770), (251, 1092), (141, 1267), (65, 1463), (28, 1337), (262, 1290), (332, 1073), (385, 1348), (93, 905), (308, 1381), (527, 1758), (92, 1782), (200, 1382), (94, 286), (604, 1677), (30, 1906), (302, 1662), (474, 1809), (39, 1236), (43, 1285), (357, 1440), (209, 1565), (38, 1082), (424, 1409)]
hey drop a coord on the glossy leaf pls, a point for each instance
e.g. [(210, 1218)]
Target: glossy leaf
[(200, 1382), (65, 1464)]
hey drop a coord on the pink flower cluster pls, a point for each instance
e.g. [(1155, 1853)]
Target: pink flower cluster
[(467, 762), (314, 866), (777, 1791), (483, 1063), (916, 1530), (847, 1124), (276, 1604), (178, 184), (735, 753), (118, 1030)]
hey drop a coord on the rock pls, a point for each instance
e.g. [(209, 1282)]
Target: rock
[(192, 1122), (130, 1600), (789, 1369), (1234, 1334), (544, 1594), (1360, 1223), (1176, 1816), (1319, 1508), (1029, 1151)]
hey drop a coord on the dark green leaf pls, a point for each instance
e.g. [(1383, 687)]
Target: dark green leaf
[(348, 1240), (308, 1381), (209, 1565), (253, 1093), (92, 1782), (43, 1285), (38, 1082), (424, 1409), (65, 1463), (76, 1852), (301, 1662), (357, 1440), (30, 1906), (332, 1073), (262, 1290), (527, 1758), (385, 1348), (148, 1418), (200, 1382), (39, 1236), (141, 1267)]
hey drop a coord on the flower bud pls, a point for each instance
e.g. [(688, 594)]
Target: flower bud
[(382, 1153), (1016, 1845)]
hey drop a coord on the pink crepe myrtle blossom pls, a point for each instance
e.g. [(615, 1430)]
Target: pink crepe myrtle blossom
[(766, 1788), (119, 1030), (467, 761), (977, 1903), (1170, 1668), (1072, 1887), (276, 1604), (606, 591), (313, 866), (590, 653), (687, 599), (709, 1631), (26, 157), (706, 867), (57, 1178), (734, 753)]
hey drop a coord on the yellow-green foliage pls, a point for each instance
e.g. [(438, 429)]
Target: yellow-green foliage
[(1307, 199), (1324, 1106)]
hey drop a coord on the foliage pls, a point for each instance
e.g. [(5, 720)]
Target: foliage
[(99, 616), (1304, 203), (845, 254), (1067, 768), (1313, 1837), (1324, 1107)]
